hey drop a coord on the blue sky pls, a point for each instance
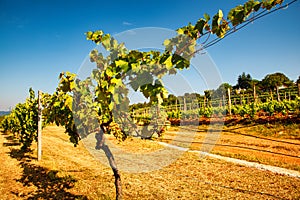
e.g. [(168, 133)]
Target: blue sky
[(40, 39)]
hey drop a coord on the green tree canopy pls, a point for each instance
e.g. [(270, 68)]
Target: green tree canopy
[(222, 89), (244, 81), (298, 80), (275, 80)]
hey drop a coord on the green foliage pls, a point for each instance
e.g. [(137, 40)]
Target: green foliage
[(223, 89), (174, 114), (22, 121), (144, 71), (219, 25), (245, 110), (244, 81), (58, 110), (219, 111), (298, 80), (272, 81), (1, 118), (283, 107)]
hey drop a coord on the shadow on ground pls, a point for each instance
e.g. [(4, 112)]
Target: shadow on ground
[(48, 184), (42, 183), (11, 141)]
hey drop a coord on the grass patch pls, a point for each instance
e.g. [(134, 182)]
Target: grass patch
[(277, 130), (255, 158), (243, 142)]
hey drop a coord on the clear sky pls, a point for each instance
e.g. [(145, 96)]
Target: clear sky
[(41, 38)]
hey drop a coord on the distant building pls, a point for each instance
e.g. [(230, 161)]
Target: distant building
[(282, 87), (238, 91)]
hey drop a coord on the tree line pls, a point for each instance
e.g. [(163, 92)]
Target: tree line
[(245, 85)]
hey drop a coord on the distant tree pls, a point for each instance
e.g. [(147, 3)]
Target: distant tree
[(298, 80), (244, 81), (222, 89), (171, 100), (275, 80), (255, 84), (298, 85), (138, 106), (208, 94), (190, 97)]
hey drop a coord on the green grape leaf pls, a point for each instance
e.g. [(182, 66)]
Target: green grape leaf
[(135, 67), (206, 17), (116, 81), (167, 42), (180, 31), (89, 35), (256, 5), (200, 25), (111, 89), (220, 12), (68, 102), (121, 63), (109, 72), (106, 41), (168, 62)]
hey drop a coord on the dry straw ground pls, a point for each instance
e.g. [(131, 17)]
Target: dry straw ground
[(72, 173), (245, 142)]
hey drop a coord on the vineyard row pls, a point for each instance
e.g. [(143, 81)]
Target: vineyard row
[(285, 107)]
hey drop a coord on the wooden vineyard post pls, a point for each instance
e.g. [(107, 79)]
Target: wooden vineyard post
[(271, 95), (39, 150), (241, 102), (298, 84), (184, 105), (284, 95), (277, 91), (254, 94), (223, 98), (229, 102)]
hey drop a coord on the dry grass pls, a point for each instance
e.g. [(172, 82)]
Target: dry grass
[(72, 173), (244, 143)]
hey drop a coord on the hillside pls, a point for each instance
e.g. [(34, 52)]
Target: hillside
[(4, 113)]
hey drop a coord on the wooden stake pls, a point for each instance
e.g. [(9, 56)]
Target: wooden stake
[(184, 105), (39, 151), (229, 102), (254, 94), (277, 91)]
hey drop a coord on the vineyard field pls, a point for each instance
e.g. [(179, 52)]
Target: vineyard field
[(286, 109)]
